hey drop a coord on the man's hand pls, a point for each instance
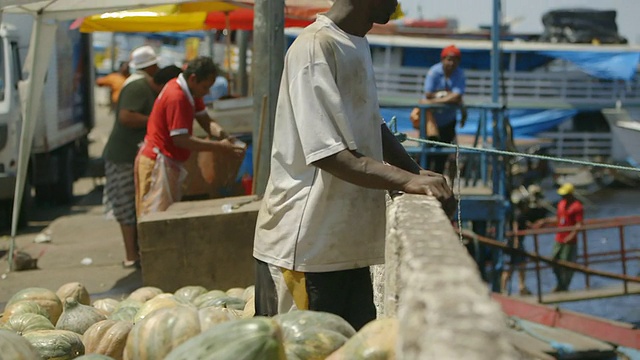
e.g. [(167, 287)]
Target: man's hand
[(433, 184), (216, 130), (227, 145)]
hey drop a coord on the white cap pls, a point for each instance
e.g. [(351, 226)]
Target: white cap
[(143, 57)]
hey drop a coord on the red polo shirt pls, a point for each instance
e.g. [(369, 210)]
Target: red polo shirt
[(173, 114), (568, 216)]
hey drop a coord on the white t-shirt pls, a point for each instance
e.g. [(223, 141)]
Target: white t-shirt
[(311, 221)]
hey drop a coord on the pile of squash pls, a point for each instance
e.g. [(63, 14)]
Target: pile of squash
[(191, 323)]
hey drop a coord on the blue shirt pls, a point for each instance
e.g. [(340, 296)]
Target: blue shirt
[(436, 81), (219, 89)]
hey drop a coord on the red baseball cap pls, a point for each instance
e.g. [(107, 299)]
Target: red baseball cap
[(450, 50)]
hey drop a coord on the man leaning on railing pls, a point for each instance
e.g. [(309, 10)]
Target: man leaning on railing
[(444, 85)]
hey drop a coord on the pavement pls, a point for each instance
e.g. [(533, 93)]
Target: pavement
[(84, 245)]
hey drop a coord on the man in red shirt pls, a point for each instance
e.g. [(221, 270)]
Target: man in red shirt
[(570, 214), (169, 140)]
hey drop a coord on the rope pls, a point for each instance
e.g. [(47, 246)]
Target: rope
[(403, 137), (459, 193)]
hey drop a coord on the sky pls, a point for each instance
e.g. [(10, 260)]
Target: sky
[(471, 13)]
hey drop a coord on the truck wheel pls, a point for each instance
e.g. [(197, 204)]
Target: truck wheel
[(6, 211), (63, 189)]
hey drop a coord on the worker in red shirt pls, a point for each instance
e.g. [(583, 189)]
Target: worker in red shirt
[(169, 141), (570, 214)]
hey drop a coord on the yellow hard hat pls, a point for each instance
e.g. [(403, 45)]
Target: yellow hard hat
[(565, 189)]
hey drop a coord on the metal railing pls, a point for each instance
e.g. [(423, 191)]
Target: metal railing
[(578, 145), (562, 87), (537, 262)]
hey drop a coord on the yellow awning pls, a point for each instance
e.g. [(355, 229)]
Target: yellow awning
[(179, 17)]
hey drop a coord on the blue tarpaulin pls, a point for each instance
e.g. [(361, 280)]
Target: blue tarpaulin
[(525, 123), (603, 65), (608, 65)]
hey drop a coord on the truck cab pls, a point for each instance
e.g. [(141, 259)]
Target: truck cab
[(59, 154)]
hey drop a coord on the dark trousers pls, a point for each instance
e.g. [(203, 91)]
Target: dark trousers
[(437, 163), (566, 252), (346, 293)]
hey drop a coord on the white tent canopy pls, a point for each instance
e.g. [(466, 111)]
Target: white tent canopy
[(45, 14), (71, 9)]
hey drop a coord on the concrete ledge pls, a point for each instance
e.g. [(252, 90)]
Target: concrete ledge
[(434, 288), (197, 243)]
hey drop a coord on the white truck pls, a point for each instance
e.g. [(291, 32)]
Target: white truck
[(59, 154)]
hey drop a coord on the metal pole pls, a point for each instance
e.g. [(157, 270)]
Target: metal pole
[(423, 135), (623, 258), (114, 57), (211, 43), (495, 51), (538, 280), (230, 88), (242, 39), (268, 61), (585, 252)]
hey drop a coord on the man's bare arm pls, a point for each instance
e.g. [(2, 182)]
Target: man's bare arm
[(210, 126), (450, 98), (395, 154), (364, 171), (132, 119), (193, 143)]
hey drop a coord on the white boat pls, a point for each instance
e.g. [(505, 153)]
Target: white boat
[(626, 131), (626, 137)]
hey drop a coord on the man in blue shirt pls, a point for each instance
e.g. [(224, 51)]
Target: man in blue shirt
[(444, 84)]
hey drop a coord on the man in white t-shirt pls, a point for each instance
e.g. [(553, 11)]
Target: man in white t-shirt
[(322, 220)]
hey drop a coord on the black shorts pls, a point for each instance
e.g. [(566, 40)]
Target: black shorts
[(346, 293)]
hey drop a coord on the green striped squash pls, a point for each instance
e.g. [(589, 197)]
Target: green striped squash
[(94, 357), (23, 307), (207, 298), (16, 347), (259, 338), (56, 344), (311, 335), (107, 337), (188, 294), (47, 299), (145, 293), (126, 313), (160, 332), (24, 323), (376, 340)]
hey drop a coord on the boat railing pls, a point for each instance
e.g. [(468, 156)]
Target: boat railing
[(537, 88), (624, 254), (578, 145)]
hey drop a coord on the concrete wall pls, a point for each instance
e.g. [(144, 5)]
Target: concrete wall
[(433, 286), (197, 243)]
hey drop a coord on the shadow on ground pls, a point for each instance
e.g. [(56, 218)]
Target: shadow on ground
[(123, 287), (42, 215)]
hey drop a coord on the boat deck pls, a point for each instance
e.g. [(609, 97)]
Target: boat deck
[(585, 294)]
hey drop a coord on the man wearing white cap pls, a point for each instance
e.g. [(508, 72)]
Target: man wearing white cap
[(134, 106), (144, 61)]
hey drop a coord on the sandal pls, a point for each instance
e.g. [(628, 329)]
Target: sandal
[(131, 264)]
